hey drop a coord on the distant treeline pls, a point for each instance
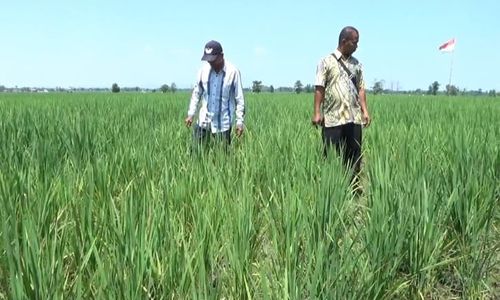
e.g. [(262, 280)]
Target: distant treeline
[(376, 89)]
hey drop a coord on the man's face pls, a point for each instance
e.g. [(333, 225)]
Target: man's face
[(218, 63), (351, 44)]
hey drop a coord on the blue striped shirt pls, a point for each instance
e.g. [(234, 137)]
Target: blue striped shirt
[(221, 96)]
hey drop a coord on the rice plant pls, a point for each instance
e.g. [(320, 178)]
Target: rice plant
[(102, 198)]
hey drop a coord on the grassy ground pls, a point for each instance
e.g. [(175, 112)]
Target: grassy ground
[(101, 198)]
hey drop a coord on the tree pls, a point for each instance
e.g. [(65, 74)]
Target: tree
[(433, 88), (173, 87), (271, 88), (164, 88), (115, 88), (451, 90), (309, 88), (2, 88), (492, 93), (378, 87), (256, 86), (298, 87)]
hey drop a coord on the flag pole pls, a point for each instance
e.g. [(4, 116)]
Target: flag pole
[(451, 68), (449, 46)]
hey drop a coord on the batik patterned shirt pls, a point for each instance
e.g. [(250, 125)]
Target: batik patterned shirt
[(342, 103)]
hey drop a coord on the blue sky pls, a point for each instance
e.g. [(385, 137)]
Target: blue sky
[(147, 43)]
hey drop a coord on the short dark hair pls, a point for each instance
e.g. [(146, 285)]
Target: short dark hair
[(346, 32)]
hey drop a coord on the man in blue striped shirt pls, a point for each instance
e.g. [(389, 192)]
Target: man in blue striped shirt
[(220, 90)]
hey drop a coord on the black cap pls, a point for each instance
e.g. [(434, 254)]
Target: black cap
[(212, 50)]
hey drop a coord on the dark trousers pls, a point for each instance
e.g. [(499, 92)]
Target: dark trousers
[(203, 137), (347, 140)]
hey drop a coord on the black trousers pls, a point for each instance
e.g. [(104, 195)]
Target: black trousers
[(347, 140), (203, 137)]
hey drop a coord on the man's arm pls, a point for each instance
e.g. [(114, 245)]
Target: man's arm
[(240, 104), (319, 96), (195, 99), (364, 108), (362, 97), (319, 93)]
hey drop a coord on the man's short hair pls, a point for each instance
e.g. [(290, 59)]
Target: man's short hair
[(346, 32)]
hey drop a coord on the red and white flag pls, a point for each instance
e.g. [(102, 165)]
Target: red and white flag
[(449, 46)]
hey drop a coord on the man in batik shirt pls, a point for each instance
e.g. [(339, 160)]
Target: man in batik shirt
[(340, 101)]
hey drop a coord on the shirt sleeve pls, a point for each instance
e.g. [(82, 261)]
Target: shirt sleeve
[(196, 95), (361, 80), (239, 99), (320, 74)]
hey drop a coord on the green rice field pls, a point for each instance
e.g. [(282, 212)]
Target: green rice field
[(101, 198)]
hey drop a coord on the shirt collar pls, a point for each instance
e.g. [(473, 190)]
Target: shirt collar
[(338, 55), (222, 70)]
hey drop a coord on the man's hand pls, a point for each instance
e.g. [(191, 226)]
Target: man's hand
[(239, 130), (367, 120), (317, 119), (188, 121)]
